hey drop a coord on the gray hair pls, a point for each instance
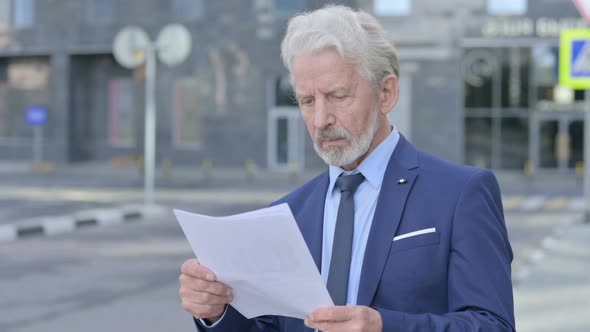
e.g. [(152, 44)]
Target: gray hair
[(357, 36)]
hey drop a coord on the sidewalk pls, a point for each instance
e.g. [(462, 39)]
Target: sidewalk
[(104, 174), (556, 294)]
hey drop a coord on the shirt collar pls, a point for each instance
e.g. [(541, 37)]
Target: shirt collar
[(373, 167)]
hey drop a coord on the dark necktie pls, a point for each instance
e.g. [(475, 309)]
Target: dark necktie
[(342, 247)]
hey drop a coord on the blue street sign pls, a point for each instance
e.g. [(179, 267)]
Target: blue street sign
[(36, 115), (580, 58), (574, 58)]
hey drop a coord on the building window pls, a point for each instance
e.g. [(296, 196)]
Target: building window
[(507, 7), (288, 7), (23, 13), (392, 8), (121, 112), (187, 117), (284, 94), (24, 82), (99, 12), (187, 9)]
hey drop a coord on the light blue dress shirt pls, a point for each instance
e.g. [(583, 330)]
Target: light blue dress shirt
[(365, 202)]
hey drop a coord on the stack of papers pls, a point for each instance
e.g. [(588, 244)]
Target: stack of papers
[(262, 256)]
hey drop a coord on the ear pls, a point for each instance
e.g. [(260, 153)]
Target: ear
[(388, 93)]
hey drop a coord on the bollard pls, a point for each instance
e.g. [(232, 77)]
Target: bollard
[(251, 169), (528, 168), (207, 170), (166, 166)]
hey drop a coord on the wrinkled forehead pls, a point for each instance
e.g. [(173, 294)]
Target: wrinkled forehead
[(324, 71)]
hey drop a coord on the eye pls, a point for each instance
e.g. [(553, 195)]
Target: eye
[(306, 101), (338, 98)]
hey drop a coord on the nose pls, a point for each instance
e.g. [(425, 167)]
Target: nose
[(323, 117)]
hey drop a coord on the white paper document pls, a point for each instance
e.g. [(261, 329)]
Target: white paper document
[(262, 256)]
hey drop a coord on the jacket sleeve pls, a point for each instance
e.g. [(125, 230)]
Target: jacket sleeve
[(479, 276), (234, 321)]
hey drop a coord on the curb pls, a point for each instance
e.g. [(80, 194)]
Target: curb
[(47, 226)]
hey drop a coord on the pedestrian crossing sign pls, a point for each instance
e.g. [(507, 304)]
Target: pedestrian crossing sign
[(574, 58)]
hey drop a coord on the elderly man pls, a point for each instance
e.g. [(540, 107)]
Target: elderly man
[(404, 241)]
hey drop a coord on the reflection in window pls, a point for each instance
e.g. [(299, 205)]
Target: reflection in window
[(121, 111), (479, 69), (288, 7), (187, 9), (99, 11), (515, 142), (392, 8), (576, 133), (507, 7), (515, 77), (548, 135), (478, 142), (187, 115), (23, 13), (282, 141)]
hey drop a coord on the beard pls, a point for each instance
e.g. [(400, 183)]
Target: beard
[(357, 146)]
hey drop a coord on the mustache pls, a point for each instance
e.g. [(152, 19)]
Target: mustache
[(332, 133)]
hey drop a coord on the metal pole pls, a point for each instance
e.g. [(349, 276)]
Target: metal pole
[(150, 124), (37, 145), (587, 157)]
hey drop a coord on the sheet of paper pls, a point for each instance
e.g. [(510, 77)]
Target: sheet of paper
[(262, 256)]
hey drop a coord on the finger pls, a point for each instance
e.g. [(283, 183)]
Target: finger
[(193, 268), (203, 311), (203, 298), (326, 326), (331, 314), (213, 287)]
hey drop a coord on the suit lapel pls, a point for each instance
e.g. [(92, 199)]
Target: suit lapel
[(311, 219), (403, 164), (311, 223)]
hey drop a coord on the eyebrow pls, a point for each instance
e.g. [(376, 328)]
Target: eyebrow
[(329, 92)]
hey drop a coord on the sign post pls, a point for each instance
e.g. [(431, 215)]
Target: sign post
[(132, 47), (37, 118), (574, 71)]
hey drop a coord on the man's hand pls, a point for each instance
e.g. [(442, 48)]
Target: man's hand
[(345, 318), (201, 294)]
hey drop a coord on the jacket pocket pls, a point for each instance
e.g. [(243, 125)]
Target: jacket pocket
[(415, 242)]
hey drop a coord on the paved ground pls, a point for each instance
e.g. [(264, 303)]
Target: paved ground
[(124, 276), (556, 294)]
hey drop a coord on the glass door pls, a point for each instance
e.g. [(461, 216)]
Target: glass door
[(286, 132)]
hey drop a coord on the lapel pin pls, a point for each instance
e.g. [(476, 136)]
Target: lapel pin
[(402, 181)]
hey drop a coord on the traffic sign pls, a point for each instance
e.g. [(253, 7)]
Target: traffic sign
[(174, 44), (574, 58), (36, 115), (129, 46)]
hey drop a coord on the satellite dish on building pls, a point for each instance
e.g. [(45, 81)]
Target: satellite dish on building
[(174, 44), (129, 46)]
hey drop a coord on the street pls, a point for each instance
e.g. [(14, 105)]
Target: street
[(124, 277)]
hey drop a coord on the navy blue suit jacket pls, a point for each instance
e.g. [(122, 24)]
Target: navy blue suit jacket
[(455, 279)]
